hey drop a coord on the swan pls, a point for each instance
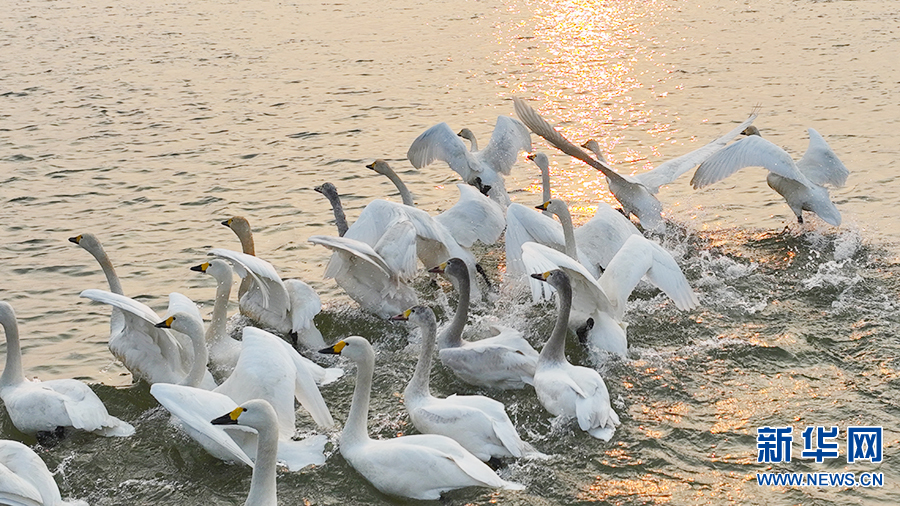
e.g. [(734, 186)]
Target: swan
[(420, 466), (36, 406), (504, 361), (566, 390), (635, 193), (223, 349), (150, 353), (480, 424), (263, 370), (543, 163), (340, 219), (489, 165), (287, 306), (25, 479), (258, 414), (802, 184), (382, 167)]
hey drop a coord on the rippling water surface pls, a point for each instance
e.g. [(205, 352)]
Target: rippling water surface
[(149, 122)]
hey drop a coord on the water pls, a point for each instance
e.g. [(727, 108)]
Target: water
[(149, 122)]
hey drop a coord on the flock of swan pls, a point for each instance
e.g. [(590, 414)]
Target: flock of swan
[(236, 397)]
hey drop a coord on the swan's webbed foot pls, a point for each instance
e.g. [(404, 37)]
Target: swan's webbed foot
[(51, 438), (583, 330), (494, 463), (800, 219)]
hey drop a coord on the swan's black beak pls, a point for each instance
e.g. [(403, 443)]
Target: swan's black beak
[(334, 350), (165, 324), (201, 268), (319, 189), (531, 156), (402, 317), (439, 269), (76, 239), (544, 206), (541, 276), (228, 418), (371, 166), (227, 222)]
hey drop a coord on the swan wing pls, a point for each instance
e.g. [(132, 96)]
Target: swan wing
[(296, 455), (509, 138), (441, 143), (671, 170), (16, 491), (751, 151), (602, 236), (397, 247), (24, 477), (267, 293), (305, 304), (474, 218), (528, 225), (587, 294), (539, 125), (195, 408), (84, 409), (820, 164), (378, 216), (352, 248)]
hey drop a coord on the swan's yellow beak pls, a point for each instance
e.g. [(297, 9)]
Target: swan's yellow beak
[(402, 317), (76, 239), (201, 268), (439, 269), (334, 350), (228, 222), (544, 206), (542, 277), (531, 156), (229, 418), (166, 324)]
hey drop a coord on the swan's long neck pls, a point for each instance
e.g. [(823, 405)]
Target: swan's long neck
[(418, 386), (217, 327), (116, 317), (13, 374), (263, 488), (340, 219), (451, 337), (565, 218), (405, 194), (249, 248), (356, 429), (545, 184), (555, 349), (201, 354)]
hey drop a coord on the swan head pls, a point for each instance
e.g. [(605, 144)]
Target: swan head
[(355, 348), (88, 241), (218, 269), (539, 159), (417, 315), (467, 134), (751, 130), (555, 206), (185, 323), (328, 190), (380, 166), (557, 278), (239, 224), (455, 268), (256, 413)]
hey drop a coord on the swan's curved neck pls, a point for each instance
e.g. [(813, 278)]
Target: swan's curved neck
[(217, 327), (451, 337), (356, 429), (201, 355), (565, 218), (340, 219), (418, 386), (263, 488), (555, 349), (13, 374), (545, 185), (405, 194)]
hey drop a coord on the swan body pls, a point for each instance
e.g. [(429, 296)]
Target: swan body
[(566, 390), (802, 184), (25, 479), (418, 467), (43, 406), (480, 424), (287, 306), (489, 165), (505, 360), (150, 353)]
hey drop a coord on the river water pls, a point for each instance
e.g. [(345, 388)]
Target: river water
[(149, 122)]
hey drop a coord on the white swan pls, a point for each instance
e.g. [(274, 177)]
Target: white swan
[(505, 360), (258, 415), (480, 424), (801, 183), (287, 306), (25, 479), (223, 349), (635, 193), (36, 406), (419, 466), (151, 354), (566, 390), (263, 370), (489, 165)]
